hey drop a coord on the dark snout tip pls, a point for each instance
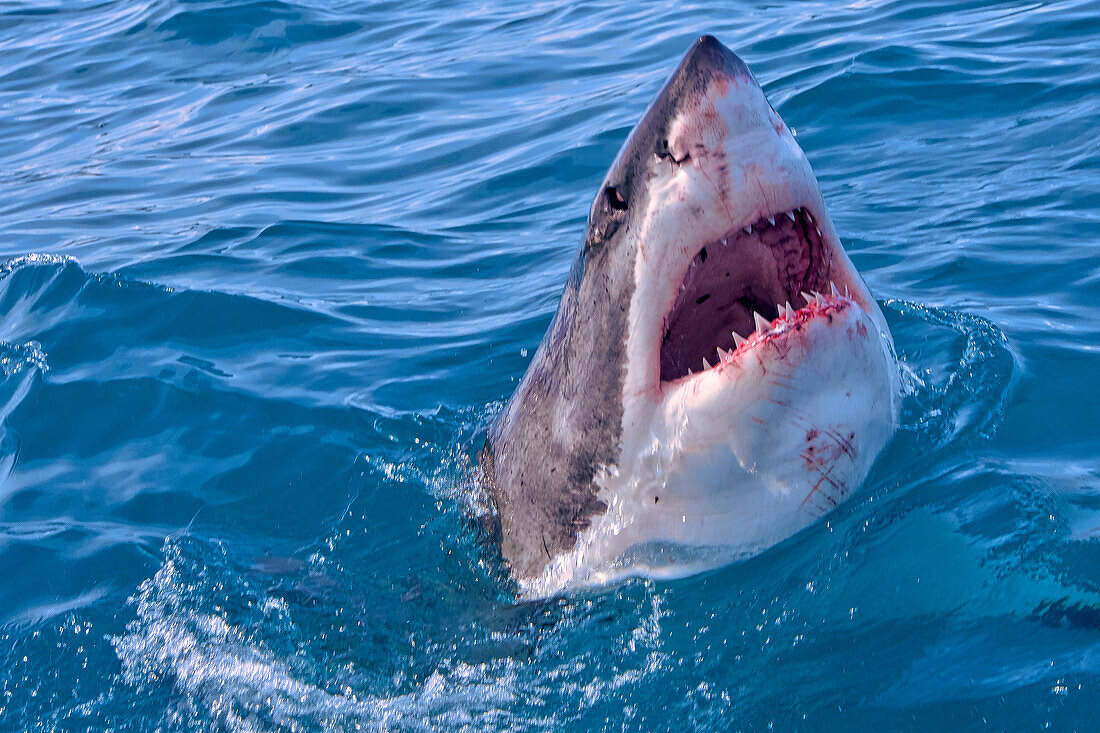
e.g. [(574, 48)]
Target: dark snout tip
[(710, 41), (708, 53)]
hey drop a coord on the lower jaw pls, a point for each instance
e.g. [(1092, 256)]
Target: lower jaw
[(788, 324), (758, 412)]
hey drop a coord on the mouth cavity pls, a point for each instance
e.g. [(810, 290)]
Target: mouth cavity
[(741, 283)]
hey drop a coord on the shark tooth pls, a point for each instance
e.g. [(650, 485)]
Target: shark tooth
[(788, 309), (771, 220), (846, 295), (807, 297), (833, 290), (748, 229), (706, 364), (738, 339), (790, 215), (722, 354), (761, 322)]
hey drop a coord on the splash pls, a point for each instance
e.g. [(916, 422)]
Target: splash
[(216, 647)]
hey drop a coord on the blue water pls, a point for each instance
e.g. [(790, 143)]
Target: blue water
[(271, 267)]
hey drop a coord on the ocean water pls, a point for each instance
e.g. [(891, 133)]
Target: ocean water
[(269, 268)]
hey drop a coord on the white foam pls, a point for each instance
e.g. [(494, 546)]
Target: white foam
[(223, 672)]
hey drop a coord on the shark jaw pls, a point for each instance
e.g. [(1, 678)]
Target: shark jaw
[(759, 381)]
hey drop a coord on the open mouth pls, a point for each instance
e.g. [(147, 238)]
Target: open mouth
[(741, 283)]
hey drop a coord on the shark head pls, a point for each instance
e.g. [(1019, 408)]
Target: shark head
[(717, 376)]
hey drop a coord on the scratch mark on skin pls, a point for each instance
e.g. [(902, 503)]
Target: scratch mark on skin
[(823, 465), (782, 375), (780, 353), (723, 199), (784, 382), (810, 427), (825, 476), (841, 441), (763, 193), (698, 160)]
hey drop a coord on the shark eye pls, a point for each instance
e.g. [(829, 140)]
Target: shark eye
[(615, 199)]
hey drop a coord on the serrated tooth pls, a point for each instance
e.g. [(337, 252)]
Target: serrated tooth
[(771, 220), (779, 310), (788, 309), (738, 339), (807, 297), (706, 364), (722, 354), (761, 322), (790, 215), (833, 290)]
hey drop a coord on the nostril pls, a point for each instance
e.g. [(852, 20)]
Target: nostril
[(665, 153)]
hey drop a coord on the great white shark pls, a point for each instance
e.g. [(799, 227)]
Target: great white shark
[(717, 375)]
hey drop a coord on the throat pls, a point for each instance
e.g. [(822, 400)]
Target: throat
[(757, 269)]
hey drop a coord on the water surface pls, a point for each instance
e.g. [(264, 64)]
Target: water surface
[(269, 268)]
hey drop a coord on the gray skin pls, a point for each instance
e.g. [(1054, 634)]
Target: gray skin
[(565, 419)]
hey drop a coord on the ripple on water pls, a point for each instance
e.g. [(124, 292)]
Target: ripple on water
[(270, 268)]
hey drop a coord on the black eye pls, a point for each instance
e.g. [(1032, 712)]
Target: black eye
[(615, 199)]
